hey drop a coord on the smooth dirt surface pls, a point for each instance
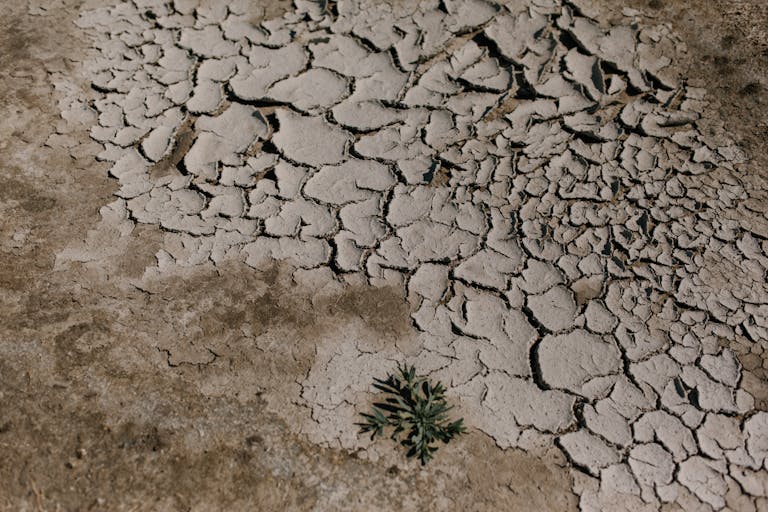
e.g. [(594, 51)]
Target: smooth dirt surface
[(211, 245)]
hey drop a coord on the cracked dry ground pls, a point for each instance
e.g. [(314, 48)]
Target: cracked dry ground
[(219, 221)]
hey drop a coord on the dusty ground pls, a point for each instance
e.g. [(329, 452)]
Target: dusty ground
[(126, 390)]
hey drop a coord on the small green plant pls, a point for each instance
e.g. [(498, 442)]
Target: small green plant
[(414, 407)]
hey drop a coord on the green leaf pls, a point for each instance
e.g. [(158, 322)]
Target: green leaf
[(416, 405)]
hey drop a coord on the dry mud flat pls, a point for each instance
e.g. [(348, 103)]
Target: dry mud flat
[(219, 222)]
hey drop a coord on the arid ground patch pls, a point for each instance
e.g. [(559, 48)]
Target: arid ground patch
[(221, 221)]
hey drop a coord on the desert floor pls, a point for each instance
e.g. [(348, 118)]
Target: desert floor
[(219, 221)]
